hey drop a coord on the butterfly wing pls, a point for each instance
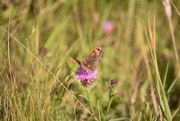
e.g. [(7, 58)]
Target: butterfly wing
[(91, 64), (74, 60), (83, 64), (96, 54)]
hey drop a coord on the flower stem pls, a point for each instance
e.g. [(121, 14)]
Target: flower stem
[(109, 104), (111, 91), (87, 91)]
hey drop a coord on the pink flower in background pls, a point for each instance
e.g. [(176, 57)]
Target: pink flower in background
[(108, 26), (85, 76)]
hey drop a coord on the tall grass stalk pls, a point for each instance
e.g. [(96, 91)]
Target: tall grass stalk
[(163, 101)]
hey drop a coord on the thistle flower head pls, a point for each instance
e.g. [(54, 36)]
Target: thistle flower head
[(108, 26), (86, 76), (114, 83)]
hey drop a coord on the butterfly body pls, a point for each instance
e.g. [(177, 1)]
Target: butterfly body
[(90, 61)]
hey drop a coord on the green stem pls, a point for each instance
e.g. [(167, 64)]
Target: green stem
[(109, 104), (110, 97), (89, 101)]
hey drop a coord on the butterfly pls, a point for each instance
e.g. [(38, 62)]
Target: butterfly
[(90, 61)]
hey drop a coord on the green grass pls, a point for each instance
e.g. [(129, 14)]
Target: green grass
[(37, 81)]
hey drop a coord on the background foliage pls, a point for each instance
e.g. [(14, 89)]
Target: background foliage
[(141, 52)]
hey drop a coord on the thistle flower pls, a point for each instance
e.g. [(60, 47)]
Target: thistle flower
[(107, 26), (85, 76), (114, 83)]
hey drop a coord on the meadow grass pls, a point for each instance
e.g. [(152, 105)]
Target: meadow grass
[(141, 53)]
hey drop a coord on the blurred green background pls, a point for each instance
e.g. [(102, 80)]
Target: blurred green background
[(140, 51)]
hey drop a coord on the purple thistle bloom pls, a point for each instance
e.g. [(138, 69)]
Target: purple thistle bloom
[(108, 26), (85, 76)]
